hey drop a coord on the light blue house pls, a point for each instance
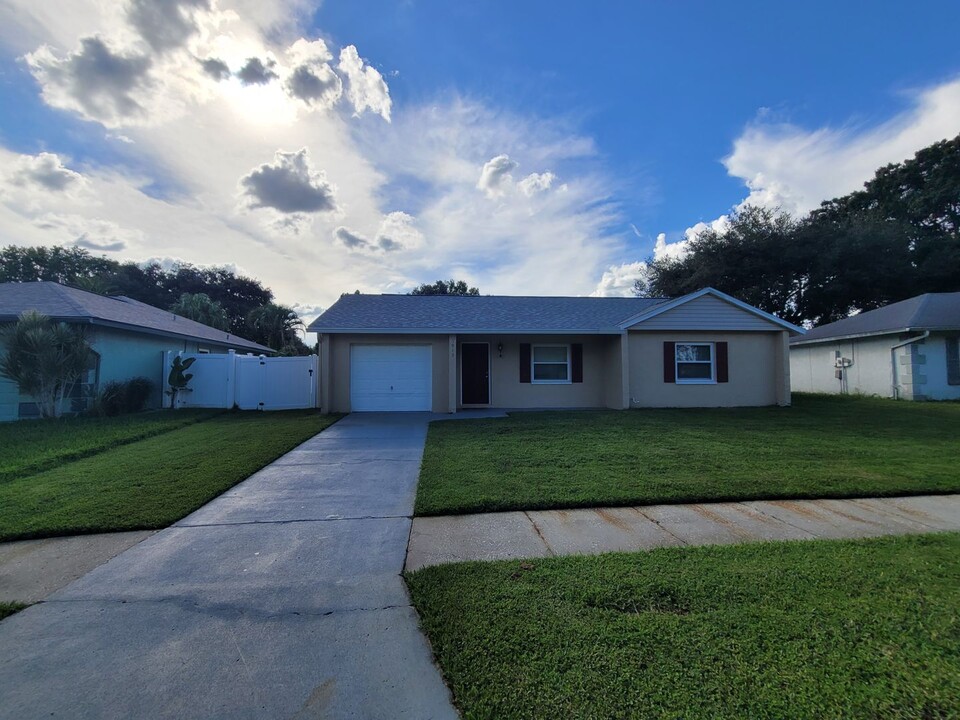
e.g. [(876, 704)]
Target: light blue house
[(129, 338)]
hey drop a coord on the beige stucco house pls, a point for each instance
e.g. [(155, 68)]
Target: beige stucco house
[(445, 353)]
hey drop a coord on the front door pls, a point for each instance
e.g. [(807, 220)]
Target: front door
[(475, 374)]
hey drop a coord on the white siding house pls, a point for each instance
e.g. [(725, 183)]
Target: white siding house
[(908, 350)]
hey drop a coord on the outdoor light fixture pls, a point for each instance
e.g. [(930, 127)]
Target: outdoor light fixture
[(500, 349)]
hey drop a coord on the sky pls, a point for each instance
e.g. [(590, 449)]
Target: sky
[(539, 148)]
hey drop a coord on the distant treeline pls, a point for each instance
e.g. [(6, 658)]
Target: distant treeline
[(215, 296)]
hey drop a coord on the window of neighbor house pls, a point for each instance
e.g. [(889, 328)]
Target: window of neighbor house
[(551, 364), (953, 360), (695, 363)]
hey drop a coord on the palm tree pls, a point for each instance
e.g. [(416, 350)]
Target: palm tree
[(201, 308), (275, 325), (45, 359)]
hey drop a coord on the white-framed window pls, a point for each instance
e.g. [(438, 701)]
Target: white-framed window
[(550, 364), (696, 363)]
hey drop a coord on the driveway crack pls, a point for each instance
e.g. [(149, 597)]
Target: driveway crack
[(661, 526), (540, 534), (812, 535)]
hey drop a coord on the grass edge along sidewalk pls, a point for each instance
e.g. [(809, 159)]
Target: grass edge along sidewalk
[(819, 628), (821, 447)]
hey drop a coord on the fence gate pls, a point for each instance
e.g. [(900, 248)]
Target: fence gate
[(251, 382)]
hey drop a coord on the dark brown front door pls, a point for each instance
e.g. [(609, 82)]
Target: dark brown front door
[(475, 373)]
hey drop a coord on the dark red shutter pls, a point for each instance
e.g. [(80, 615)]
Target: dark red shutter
[(576, 362), (723, 372), (524, 362), (669, 362)]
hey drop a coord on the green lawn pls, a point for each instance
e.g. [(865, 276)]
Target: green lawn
[(29, 446), (820, 629), (153, 482), (821, 447)]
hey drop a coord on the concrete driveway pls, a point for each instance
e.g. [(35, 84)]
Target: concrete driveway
[(282, 598)]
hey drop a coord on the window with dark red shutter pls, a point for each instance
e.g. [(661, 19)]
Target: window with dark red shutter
[(669, 362), (576, 362), (723, 372), (524, 362)]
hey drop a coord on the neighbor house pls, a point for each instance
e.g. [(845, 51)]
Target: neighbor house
[(443, 353), (128, 338), (906, 350)]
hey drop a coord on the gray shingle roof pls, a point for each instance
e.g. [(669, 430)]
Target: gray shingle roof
[(933, 311), (61, 302), (485, 313)]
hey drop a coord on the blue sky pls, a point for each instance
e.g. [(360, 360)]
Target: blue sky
[(664, 87), (532, 147)]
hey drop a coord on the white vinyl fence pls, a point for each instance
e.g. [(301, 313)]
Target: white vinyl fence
[(250, 382)]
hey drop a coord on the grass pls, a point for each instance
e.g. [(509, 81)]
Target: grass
[(153, 482), (9, 608), (820, 629), (30, 446), (821, 447)]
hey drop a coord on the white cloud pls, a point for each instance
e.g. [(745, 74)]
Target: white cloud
[(495, 175), (408, 189), (94, 234), (785, 167), (96, 81), (796, 169), (165, 24), (352, 240), (45, 171), (257, 72), (289, 185), (536, 182), (312, 80), (366, 87), (619, 280), (398, 232)]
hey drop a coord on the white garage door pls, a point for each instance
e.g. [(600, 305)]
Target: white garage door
[(390, 377)]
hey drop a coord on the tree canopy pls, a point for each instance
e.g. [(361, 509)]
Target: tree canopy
[(896, 238), (199, 307), (445, 287), (226, 299)]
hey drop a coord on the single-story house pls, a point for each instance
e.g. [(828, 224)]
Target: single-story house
[(444, 353), (128, 339), (907, 350)]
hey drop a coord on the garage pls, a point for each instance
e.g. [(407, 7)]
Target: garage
[(390, 378)]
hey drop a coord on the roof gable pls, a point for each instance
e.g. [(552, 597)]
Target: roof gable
[(62, 302), (708, 309)]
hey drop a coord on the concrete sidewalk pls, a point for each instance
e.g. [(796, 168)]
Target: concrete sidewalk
[(30, 570), (282, 598), (544, 533)]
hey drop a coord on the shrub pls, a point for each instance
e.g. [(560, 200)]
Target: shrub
[(128, 396)]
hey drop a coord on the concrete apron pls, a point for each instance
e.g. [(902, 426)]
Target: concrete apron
[(545, 533), (282, 598)]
